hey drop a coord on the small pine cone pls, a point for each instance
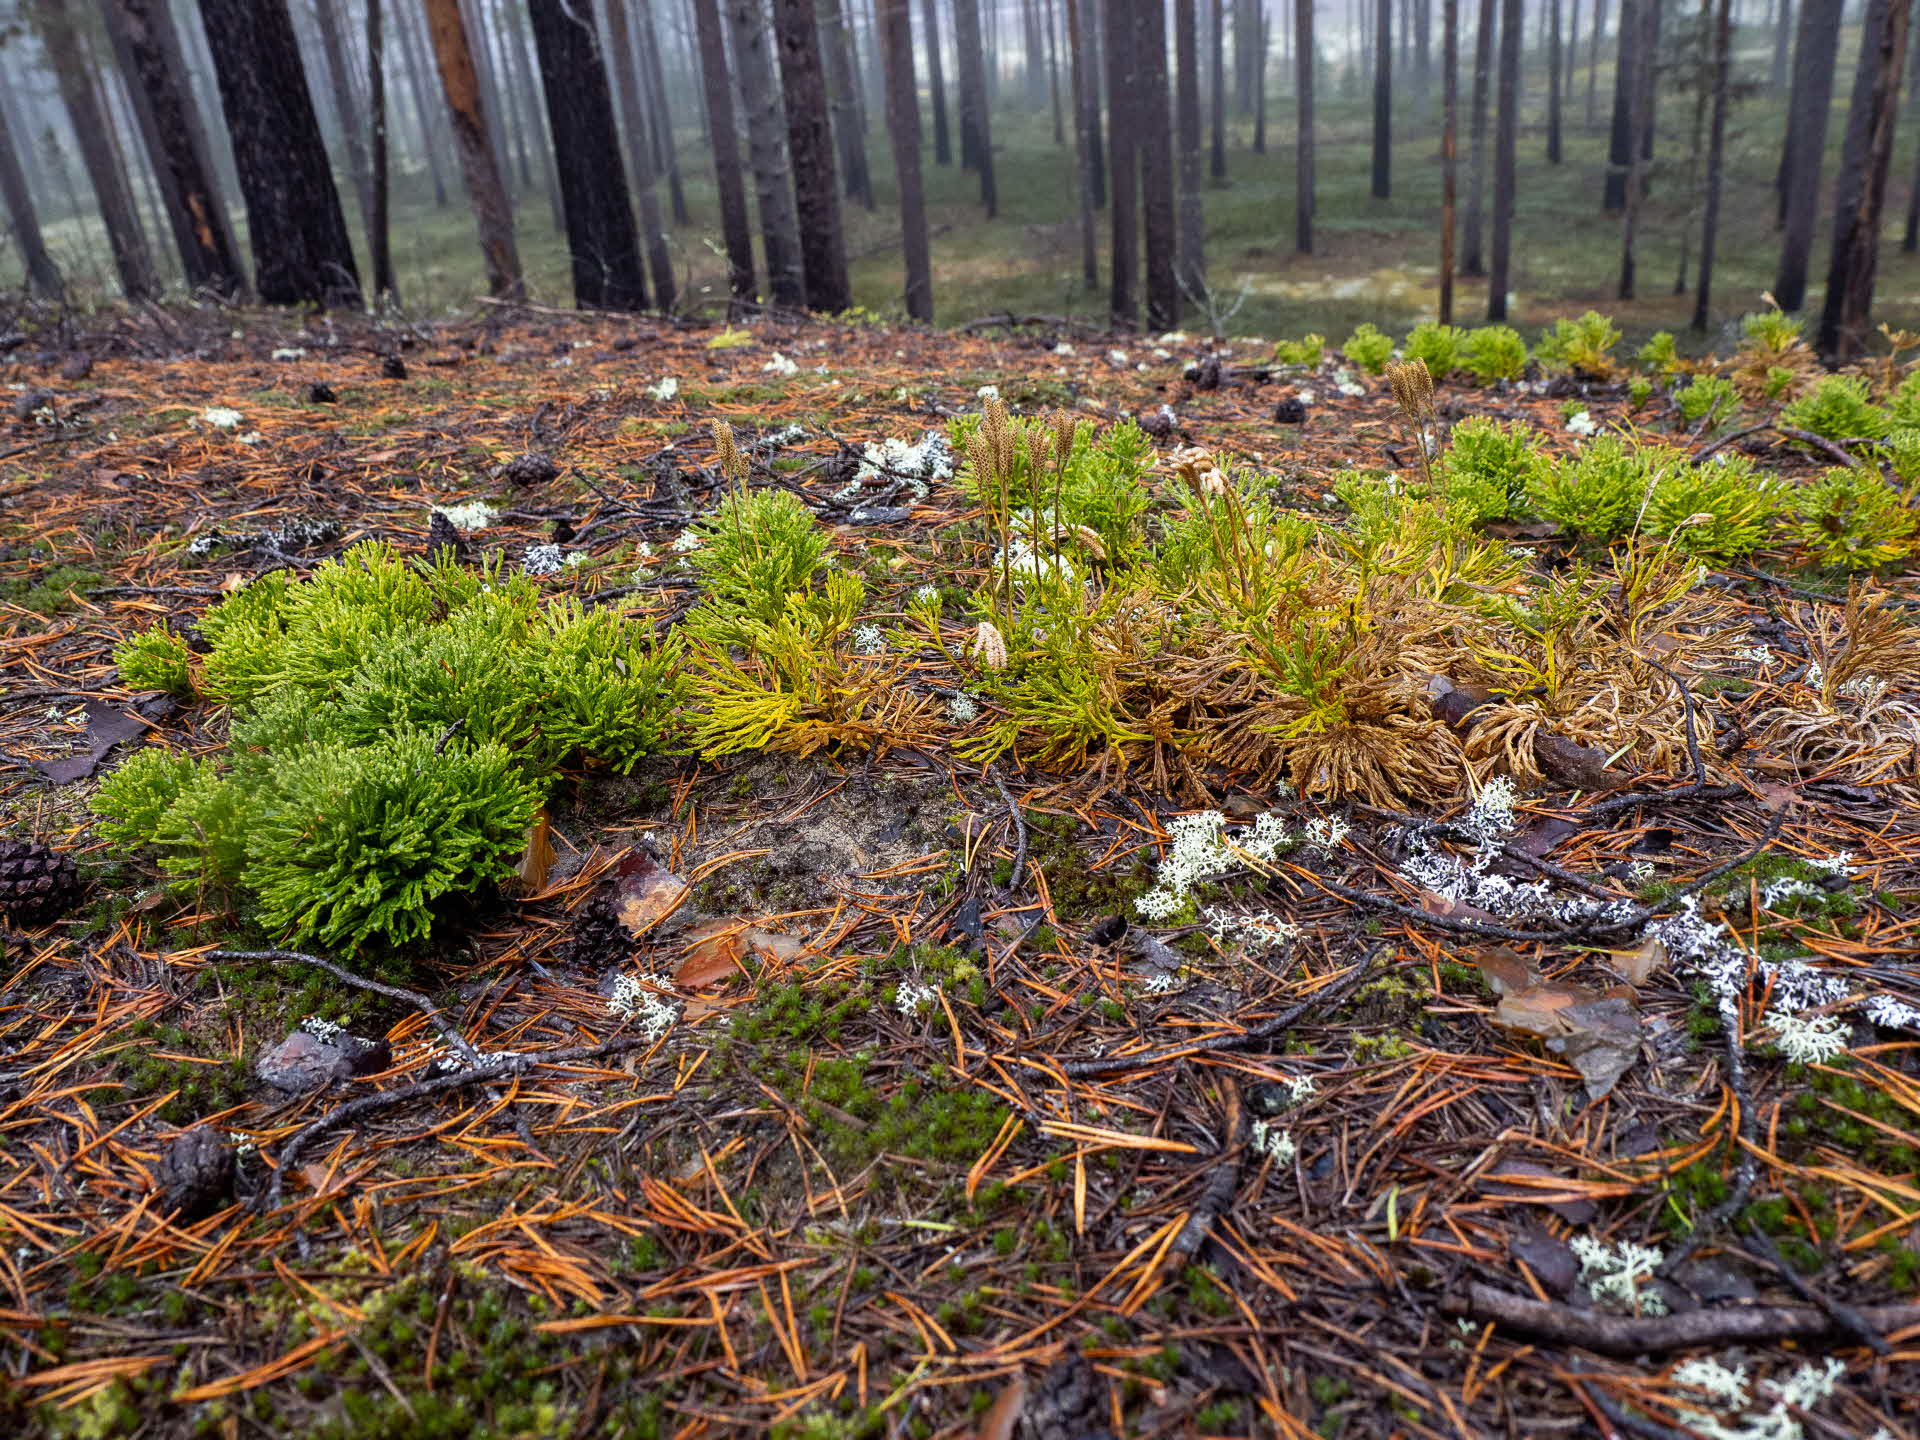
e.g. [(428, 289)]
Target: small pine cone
[(529, 470), (36, 883)]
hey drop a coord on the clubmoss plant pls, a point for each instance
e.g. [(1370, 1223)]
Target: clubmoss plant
[(1582, 347), (156, 659), (1838, 408), (1368, 347), (1435, 345), (1851, 519), (1493, 353)]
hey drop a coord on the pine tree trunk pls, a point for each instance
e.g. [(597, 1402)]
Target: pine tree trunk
[(425, 116), (1816, 50), (1506, 139), (976, 130), (499, 120), (301, 251), (1217, 161), (1642, 16), (1593, 60), (1154, 129), (113, 194), (1553, 84), (1449, 150), (1053, 72), (767, 144), (1084, 163), (1782, 26), (1383, 100), (1303, 58), (639, 150), (346, 106), (1193, 222), (1620, 151), (537, 120), (1123, 157), (1716, 162), (479, 157), (603, 246), (1260, 84), (816, 180), (1862, 192), (718, 87), (1093, 72), (848, 132), (937, 73), (903, 129), (666, 154), (1473, 260), (379, 238), (43, 276), (176, 144)]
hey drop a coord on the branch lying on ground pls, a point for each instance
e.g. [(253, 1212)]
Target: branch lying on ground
[(1655, 1334)]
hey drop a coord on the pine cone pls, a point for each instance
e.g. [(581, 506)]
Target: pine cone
[(36, 883), (596, 939)]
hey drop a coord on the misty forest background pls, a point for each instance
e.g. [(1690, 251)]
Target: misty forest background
[(1245, 166)]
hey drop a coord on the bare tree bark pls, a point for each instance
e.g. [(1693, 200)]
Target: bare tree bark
[(142, 33), (1862, 192), (823, 250), (1621, 151), (767, 144), (1473, 261), (301, 251), (43, 276), (1383, 100), (1303, 59), (602, 244), (1638, 50), (479, 157), (1716, 162), (1217, 99), (1449, 149), (1506, 139), (1123, 156), (427, 120), (1816, 49), (1193, 220), (1153, 117), (639, 150), (666, 153), (1553, 84), (346, 106), (848, 131), (718, 87), (1083, 143), (379, 240), (937, 74), (1053, 72), (976, 129), (903, 128), (79, 92)]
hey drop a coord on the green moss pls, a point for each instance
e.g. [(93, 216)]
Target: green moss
[(52, 589)]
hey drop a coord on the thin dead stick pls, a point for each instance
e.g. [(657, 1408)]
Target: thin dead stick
[(493, 1067), (1333, 994), (1654, 1334), (1845, 1316), (1019, 831)]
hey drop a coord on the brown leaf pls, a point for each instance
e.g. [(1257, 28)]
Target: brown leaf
[(537, 859), (1603, 1043), (1541, 1009), (717, 950), (647, 892), (1574, 766), (1504, 969), (1001, 1418), (1457, 909), (1777, 797), (1638, 965)]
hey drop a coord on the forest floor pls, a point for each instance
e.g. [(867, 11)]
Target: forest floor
[(1116, 1181)]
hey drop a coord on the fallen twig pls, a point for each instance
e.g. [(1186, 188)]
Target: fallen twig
[(1654, 1334)]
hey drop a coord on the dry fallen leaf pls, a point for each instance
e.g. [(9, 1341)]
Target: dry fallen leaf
[(647, 892), (717, 950), (1595, 1031), (1637, 965), (538, 857), (1504, 969), (999, 1421)]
